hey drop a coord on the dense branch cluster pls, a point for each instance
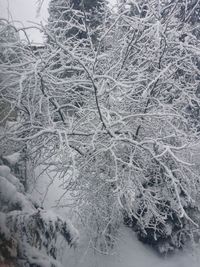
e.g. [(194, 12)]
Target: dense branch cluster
[(114, 107)]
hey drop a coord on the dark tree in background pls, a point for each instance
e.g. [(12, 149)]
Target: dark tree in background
[(74, 23), (63, 16)]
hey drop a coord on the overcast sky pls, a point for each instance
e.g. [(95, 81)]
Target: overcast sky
[(24, 11)]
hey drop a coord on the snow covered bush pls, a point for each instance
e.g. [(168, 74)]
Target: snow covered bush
[(156, 217), (128, 148), (29, 234)]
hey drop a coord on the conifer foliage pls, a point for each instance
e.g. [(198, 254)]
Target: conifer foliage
[(28, 234)]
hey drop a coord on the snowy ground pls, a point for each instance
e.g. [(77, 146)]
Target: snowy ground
[(129, 252)]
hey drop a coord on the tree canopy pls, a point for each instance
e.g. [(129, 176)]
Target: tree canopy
[(117, 116)]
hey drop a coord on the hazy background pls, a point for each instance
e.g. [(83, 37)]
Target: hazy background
[(24, 13)]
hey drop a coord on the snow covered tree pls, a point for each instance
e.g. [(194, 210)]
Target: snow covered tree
[(74, 23), (128, 148), (168, 28), (75, 19), (29, 234), (8, 53), (12, 53)]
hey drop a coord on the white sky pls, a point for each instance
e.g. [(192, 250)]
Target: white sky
[(23, 12)]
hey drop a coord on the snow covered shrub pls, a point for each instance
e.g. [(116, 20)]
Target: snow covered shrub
[(159, 220), (169, 235), (29, 235), (165, 212), (128, 147)]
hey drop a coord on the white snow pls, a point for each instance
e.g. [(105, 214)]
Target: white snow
[(13, 158), (10, 196), (52, 216), (129, 252), (39, 259), (5, 172)]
